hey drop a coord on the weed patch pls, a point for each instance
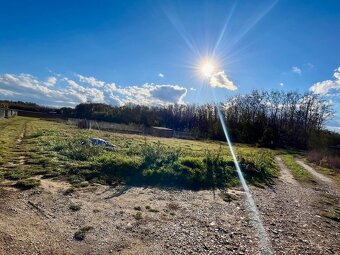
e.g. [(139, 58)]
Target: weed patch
[(69, 191), (298, 171), (138, 216), (75, 207)]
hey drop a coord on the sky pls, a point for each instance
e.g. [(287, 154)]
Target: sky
[(62, 53)]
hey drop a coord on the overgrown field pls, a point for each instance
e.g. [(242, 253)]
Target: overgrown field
[(57, 150)]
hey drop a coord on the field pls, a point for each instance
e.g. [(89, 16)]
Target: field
[(149, 195), (54, 149)]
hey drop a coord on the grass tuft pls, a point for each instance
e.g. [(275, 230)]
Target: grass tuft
[(75, 207), (27, 184)]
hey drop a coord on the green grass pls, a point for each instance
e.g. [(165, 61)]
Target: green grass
[(57, 150), (299, 173)]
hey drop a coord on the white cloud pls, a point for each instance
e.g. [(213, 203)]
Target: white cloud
[(281, 84), (296, 70), (51, 81), (221, 80), (90, 80), (67, 92), (161, 75), (5, 92), (328, 86)]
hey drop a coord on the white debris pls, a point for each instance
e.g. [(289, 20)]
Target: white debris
[(101, 142)]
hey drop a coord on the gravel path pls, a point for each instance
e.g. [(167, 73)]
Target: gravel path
[(312, 171), (285, 174), (291, 212)]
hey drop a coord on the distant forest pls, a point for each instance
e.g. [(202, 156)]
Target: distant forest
[(268, 119)]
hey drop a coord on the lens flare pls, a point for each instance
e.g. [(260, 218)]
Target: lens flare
[(265, 244)]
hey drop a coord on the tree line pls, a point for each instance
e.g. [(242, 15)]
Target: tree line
[(270, 119), (266, 118)]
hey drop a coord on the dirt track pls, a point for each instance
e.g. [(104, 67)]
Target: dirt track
[(178, 222)]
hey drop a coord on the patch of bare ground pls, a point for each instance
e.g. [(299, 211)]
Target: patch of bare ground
[(137, 220), (170, 222)]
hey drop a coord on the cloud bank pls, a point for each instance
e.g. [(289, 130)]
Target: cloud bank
[(65, 91), (328, 87)]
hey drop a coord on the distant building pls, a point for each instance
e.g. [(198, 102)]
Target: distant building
[(162, 131), (7, 113)]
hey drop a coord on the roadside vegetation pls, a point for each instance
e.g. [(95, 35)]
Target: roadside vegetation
[(57, 150), (299, 173), (326, 163)]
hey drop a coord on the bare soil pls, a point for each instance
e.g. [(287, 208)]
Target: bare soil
[(150, 220)]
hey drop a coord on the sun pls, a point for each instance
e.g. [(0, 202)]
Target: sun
[(207, 69)]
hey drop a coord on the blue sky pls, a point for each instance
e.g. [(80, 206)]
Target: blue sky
[(66, 52)]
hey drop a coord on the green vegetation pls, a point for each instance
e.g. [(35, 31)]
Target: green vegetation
[(69, 191), (75, 207), (153, 210), (138, 216), (56, 150), (298, 171), (27, 184), (81, 233)]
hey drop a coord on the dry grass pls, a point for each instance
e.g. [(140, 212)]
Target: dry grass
[(324, 159)]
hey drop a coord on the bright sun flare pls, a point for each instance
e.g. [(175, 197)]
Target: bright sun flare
[(207, 69)]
